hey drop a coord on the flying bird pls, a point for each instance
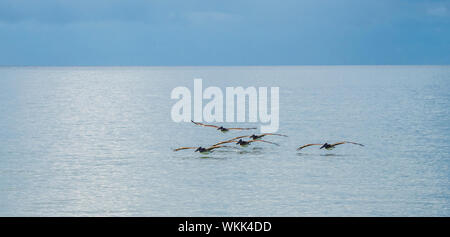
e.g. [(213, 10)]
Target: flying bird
[(200, 149), (328, 146), (244, 143), (230, 140), (257, 137), (222, 129), (254, 137)]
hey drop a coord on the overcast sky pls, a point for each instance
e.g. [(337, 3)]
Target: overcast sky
[(219, 32)]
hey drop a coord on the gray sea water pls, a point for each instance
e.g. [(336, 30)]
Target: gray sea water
[(97, 141)]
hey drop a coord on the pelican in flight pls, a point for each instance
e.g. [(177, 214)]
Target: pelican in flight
[(244, 143), (328, 146), (200, 149), (222, 129), (257, 137), (253, 137)]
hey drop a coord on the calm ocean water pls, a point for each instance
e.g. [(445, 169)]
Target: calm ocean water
[(97, 141)]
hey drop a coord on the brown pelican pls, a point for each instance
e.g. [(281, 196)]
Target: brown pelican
[(230, 140), (222, 129), (244, 143), (200, 149), (253, 137), (257, 137), (328, 146)]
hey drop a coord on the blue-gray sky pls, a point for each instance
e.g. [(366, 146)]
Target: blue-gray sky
[(218, 32)]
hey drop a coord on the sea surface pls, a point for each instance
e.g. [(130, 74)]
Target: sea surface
[(98, 141)]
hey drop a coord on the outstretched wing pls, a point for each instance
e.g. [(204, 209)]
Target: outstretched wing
[(214, 147), (307, 145), (276, 134), (344, 142), (205, 125), (263, 141), (240, 128), (184, 148), (230, 140), (224, 142)]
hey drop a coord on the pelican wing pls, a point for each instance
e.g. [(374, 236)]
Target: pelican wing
[(224, 142), (230, 140), (240, 128), (263, 141), (307, 145), (205, 125), (214, 147), (184, 148), (344, 142), (276, 134)]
